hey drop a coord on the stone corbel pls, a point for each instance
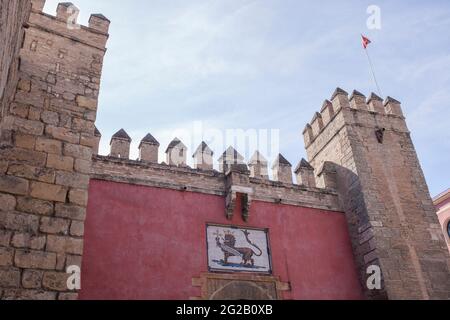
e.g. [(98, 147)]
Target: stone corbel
[(246, 203), (230, 205), (237, 181), (246, 193)]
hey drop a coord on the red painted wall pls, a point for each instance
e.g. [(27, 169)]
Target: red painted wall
[(148, 243)]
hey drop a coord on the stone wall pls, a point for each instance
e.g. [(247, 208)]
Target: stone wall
[(382, 188), (50, 72), (13, 16), (46, 155), (208, 182)]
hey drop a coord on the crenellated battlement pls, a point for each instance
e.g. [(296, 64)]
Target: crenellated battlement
[(176, 156), (355, 109), (65, 24), (361, 147), (213, 182)]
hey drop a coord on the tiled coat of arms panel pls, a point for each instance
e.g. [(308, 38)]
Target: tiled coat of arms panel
[(238, 249)]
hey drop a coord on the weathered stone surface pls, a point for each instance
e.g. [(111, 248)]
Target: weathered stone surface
[(62, 134), (21, 294), (49, 192), (73, 260), (66, 296), (60, 162), (25, 141), (55, 281), (6, 256), (9, 277), (88, 140), (82, 166), (34, 114), (24, 85), (78, 197), (5, 237), (64, 245), (7, 202), (35, 206), (30, 157), (74, 180), (60, 261), (19, 110), (77, 228), (32, 279), (83, 126), (77, 151), (49, 145), (29, 126), (32, 173), (91, 116), (11, 37), (19, 222), (13, 185), (28, 241), (87, 103), (50, 117), (68, 96), (65, 121), (3, 166), (34, 98), (54, 225), (70, 211), (35, 260)]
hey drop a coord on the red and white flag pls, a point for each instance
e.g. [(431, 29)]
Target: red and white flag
[(365, 41)]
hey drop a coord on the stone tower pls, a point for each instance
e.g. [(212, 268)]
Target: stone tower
[(366, 148), (47, 132)]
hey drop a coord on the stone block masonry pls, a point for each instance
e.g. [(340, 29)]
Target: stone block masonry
[(209, 182), (364, 150), (13, 15), (47, 140), (361, 161)]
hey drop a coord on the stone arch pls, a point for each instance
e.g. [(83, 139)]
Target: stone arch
[(241, 290)]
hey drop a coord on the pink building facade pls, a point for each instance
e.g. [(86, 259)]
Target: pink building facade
[(442, 203)]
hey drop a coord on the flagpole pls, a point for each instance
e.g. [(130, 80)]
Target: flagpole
[(373, 72)]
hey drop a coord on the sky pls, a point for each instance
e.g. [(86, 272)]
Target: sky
[(177, 68)]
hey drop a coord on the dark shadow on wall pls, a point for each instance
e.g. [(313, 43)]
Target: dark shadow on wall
[(353, 202)]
